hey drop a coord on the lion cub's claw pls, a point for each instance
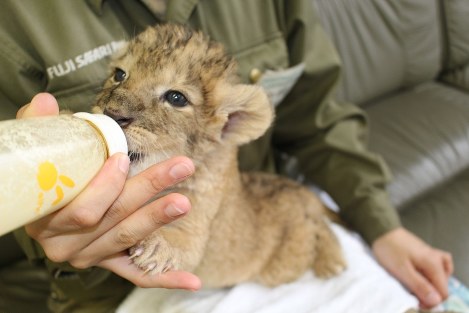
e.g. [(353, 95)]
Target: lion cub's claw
[(154, 256), (135, 252), (327, 268)]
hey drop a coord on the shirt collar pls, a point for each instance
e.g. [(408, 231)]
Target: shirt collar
[(177, 11), (96, 5)]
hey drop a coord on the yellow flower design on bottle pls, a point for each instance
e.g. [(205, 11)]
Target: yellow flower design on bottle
[(47, 178)]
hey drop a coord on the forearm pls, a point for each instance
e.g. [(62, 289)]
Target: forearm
[(336, 159), (328, 139)]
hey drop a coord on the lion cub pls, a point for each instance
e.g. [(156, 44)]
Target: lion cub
[(175, 92)]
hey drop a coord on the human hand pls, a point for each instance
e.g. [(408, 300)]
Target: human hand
[(42, 104), (112, 214), (422, 269)]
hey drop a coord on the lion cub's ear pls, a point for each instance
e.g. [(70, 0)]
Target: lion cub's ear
[(245, 113)]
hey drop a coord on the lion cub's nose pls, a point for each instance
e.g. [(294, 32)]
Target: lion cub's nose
[(123, 121)]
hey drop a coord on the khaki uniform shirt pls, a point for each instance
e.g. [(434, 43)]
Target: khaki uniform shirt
[(62, 47)]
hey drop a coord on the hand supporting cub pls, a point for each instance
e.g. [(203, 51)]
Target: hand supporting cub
[(112, 214)]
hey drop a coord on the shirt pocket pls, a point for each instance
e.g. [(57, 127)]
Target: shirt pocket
[(267, 65), (278, 84), (270, 53)]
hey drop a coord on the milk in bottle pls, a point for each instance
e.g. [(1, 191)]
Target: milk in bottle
[(46, 161)]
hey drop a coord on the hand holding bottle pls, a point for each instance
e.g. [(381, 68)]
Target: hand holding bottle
[(111, 214)]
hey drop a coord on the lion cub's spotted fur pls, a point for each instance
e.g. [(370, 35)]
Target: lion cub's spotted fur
[(243, 226)]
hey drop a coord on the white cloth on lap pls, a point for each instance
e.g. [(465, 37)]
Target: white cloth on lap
[(364, 287)]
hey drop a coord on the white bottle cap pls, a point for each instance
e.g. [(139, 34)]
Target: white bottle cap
[(112, 134)]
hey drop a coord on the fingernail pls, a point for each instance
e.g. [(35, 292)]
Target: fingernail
[(180, 170), (174, 211), (123, 163), (432, 298)]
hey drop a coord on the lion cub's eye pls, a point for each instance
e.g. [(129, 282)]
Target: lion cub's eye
[(119, 75), (176, 99)]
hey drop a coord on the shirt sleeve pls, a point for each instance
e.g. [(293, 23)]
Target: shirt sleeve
[(327, 138)]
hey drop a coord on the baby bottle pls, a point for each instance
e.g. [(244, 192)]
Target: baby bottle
[(46, 161)]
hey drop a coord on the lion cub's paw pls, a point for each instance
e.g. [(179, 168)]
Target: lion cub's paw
[(332, 265), (154, 255)]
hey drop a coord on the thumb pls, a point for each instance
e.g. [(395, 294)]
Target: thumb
[(42, 104)]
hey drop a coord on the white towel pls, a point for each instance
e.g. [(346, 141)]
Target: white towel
[(363, 288)]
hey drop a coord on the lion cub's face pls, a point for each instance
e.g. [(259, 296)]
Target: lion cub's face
[(174, 92)]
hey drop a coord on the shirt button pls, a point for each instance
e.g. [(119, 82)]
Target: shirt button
[(54, 295), (255, 75)]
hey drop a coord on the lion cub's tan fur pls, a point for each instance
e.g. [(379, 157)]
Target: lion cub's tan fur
[(243, 226)]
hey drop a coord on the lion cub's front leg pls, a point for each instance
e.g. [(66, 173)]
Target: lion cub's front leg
[(155, 255), (170, 249)]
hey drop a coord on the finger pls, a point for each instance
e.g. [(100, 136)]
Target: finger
[(134, 228), (120, 265), (420, 286), (434, 272), (448, 264), (107, 195), (143, 187), (88, 207), (63, 233), (136, 192), (86, 211), (42, 104)]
